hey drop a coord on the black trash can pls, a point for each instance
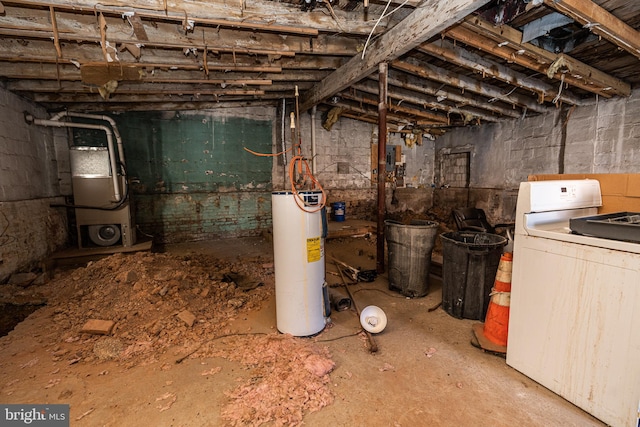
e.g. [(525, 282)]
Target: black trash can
[(469, 264), (409, 248)]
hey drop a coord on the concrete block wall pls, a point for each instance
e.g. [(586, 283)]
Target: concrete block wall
[(602, 137), (605, 137), (32, 178), (343, 158)]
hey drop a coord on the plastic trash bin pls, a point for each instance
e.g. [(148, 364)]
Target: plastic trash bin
[(469, 265), (409, 248)]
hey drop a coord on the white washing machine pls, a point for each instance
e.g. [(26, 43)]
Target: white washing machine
[(574, 323)]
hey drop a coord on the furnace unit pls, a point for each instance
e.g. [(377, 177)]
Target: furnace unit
[(103, 210), (101, 219)]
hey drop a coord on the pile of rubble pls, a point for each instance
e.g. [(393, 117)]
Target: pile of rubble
[(132, 308), (148, 303)]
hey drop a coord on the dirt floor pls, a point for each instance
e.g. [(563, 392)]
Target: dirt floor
[(194, 343)]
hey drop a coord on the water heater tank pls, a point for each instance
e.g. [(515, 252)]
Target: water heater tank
[(298, 251)]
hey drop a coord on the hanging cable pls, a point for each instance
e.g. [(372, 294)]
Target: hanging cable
[(378, 21), (555, 100)]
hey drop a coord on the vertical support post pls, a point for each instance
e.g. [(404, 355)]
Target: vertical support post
[(382, 154)]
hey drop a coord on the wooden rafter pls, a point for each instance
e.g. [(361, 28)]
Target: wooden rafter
[(409, 111), (421, 86), (401, 95), (506, 42), (493, 69), (600, 22), (259, 17), (54, 27), (431, 17), (466, 83)]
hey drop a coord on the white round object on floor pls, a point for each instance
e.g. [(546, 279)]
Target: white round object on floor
[(373, 319)]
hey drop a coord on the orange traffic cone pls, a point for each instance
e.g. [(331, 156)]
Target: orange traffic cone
[(492, 334)]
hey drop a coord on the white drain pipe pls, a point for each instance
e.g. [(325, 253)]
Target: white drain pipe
[(112, 158), (112, 122)]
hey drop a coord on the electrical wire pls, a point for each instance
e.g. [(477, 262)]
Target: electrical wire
[(378, 21), (267, 154), (5, 240), (340, 337), (555, 100)]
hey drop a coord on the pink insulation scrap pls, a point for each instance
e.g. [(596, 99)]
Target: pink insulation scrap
[(290, 378)]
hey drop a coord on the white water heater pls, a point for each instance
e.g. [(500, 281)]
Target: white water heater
[(298, 252)]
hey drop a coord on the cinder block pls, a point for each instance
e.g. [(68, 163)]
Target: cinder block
[(98, 327)]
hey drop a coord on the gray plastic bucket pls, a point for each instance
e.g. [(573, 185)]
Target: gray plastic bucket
[(469, 265), (409, 250)]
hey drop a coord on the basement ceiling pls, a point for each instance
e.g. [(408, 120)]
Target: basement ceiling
[(450, 63)]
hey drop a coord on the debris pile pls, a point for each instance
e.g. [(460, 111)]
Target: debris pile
[(131, 308), (153, 301)]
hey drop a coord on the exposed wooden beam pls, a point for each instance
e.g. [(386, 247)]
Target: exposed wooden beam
[(466, 83), (410, 112), (391, 127), (124, 88), (427, 87), (198, 47), (430, 18), (444, 49), (54, 27), (257, 16), (52, 71), (506, 42), (406, 96), (77, 27), (372, 112), (600, 22), (221, 103)]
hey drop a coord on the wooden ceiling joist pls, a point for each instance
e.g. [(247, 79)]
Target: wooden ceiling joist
[(420, 86), (427, 20), (257, 16), (466, 83), (402, 96), (600, 22), (221, 102), (195, 47), (492, 69), (505, 42), (414, 113), (36, 24), (51, 71)]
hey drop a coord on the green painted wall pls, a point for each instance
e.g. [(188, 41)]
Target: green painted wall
[(174, 153), (191, 177)]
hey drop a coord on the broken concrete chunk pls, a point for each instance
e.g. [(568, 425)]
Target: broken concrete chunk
[(22, 279), (98, 327), (131, 276), (187, 317)]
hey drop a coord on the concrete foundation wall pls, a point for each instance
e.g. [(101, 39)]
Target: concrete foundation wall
[(32, 177), (600, 138)]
